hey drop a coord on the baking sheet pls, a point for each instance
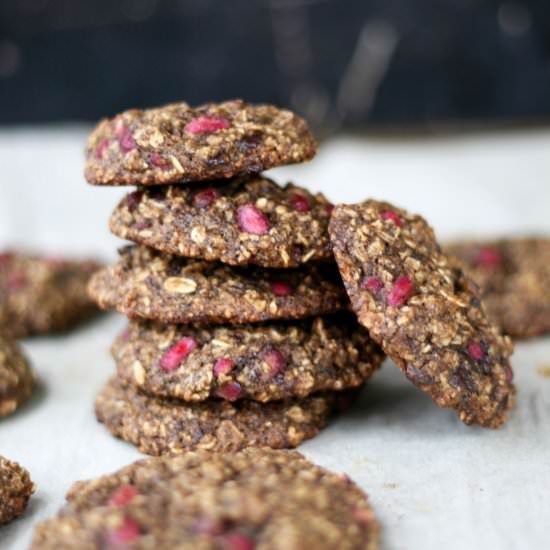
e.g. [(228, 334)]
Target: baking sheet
[(433, 482)]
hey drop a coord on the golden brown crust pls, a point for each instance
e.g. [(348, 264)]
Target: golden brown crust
[(425, 314), (179, 143), (256, 498)]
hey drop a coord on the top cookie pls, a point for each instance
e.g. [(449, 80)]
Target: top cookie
[(241, 221), (16, 377), (418, 305), (256, 498), (514, 277), (41, 295), (179, 143)]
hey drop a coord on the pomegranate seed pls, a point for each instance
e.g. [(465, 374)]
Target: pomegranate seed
[(475, 351), (275, 360), (101, 148), (127, 533), (123, 495), (205, 198), (206, 125), (230, 391), (509, 374), (403, 289), (223, 365), (300, 203), (329, 207), (280, 288), (253, 220), (391, 216), (125, 138), (133, 200), (238, 541), (157, 160), (175, 356), (373, 284), (489, 257)]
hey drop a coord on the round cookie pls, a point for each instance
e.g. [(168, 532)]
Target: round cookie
[(258, 362), (241, 221), (256, 498), (42, 295), (514, 278), (422, 310), (161, 425), (177, 143), (147, 284), (16, 377), (16, 489)]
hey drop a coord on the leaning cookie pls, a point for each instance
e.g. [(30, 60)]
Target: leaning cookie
[(514, 278), (16, 377), (259, 362), (422, 310), (146, 284), (179, 143), (16, 489), (159, 425), (241, 221), (256, 498), (41, 295)]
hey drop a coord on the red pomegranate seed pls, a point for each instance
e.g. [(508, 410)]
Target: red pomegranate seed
[(475, 351), (300, 203), (177, 354), (280, 288), (127, 533), (391, 216), (238, 541), (206, 125), (224, 365), (133, 200), (489, 257), (205, 198), (230, 391), (403, 289), (373, 284), (275, 360), (159, 161), (125, 138), (329, 207), (253, 220), (101, 148), (123, 496)]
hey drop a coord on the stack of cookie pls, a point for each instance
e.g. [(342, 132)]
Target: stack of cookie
[(235, 336)]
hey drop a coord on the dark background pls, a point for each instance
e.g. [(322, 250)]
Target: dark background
[(342, 63)]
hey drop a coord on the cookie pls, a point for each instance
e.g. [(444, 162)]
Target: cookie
[(41, 295), (514, 278), (161, 425), (256, 498), (258, 362), (242, 221), (422, 310), (147, 284), (179, 143), (16, 489), (16, 377)]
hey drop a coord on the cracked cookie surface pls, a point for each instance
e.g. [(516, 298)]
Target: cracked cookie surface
[(161, 425), (426, 315), (241, 221), (16, 377), (16, 489), (147, 284), (40, 295), (177, 143), (259, 362), (514, 278), (256, 498)]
